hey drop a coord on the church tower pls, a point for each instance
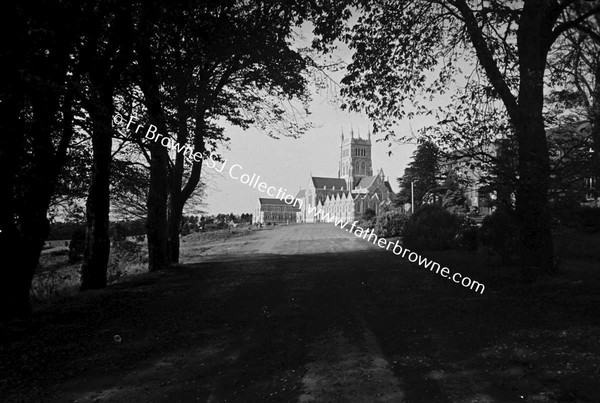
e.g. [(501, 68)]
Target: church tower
[(355, 159)]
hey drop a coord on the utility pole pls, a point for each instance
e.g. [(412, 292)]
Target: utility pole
[(412, 196)]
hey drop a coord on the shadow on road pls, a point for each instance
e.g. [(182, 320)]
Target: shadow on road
[(335, 326)]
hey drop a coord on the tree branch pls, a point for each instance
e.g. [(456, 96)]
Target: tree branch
[(486, 58), (565, 26)]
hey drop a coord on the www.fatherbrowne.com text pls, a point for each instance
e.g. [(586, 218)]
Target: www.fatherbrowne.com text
[(397, 249)]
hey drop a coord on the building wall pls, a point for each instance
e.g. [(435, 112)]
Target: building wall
[(276, 214)]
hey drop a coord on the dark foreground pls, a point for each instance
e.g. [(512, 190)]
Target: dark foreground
[(310, 313)]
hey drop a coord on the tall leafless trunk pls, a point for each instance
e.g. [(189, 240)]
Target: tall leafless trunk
[(97, 242)]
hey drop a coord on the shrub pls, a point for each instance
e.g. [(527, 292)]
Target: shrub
[(468, 236), (499, 233), (369, 214), (431, 227), (390, 223), (45, 286), (77, 246), (588, 218), (125, 258)]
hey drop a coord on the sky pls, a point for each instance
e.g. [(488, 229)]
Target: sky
[(289, 162)]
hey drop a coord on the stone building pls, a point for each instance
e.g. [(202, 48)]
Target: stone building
[(353, 191), (274, 211)]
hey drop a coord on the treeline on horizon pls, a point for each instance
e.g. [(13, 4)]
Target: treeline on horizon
[(64, 230)]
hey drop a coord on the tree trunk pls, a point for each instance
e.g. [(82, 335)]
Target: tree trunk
[(24, 226), (180, 196), (157, 209), (177, 200), (149, 80), (175, 216), (97, 242), (19, 263), (532, 206), (32, 155)]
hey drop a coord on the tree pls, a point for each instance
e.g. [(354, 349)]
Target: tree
[(453, 196), (421, 174), (105, 55), (212, 61), (149, 82), (37, 120), (510, 42), (576, 66)]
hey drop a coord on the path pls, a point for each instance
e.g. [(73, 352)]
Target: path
[(301, 313)]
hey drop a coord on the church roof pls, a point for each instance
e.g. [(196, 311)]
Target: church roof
[(301, 194), (366, 181), (275, 202), (388, 187), (328, 183)]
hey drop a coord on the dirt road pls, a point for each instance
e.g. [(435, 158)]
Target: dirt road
[(304, 313)]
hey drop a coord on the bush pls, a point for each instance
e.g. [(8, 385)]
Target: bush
[(77, 246), (588, 218), (390, 223), (125, 258), (431, 227), (45, 286), (369, 214), (499, 233), (468, 236)]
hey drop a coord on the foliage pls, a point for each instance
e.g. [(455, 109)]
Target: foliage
[(575, 67), (409, 51), (422, 172), (245, 218), (64, 230), (468, 236), (571, 159), (49, 283), (588, 218), (369, 214), (189, 224), (125, 258), (453, 196), (499, 233), (431, 227), (390, 223)]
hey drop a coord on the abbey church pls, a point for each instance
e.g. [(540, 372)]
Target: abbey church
[(353, 191)]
